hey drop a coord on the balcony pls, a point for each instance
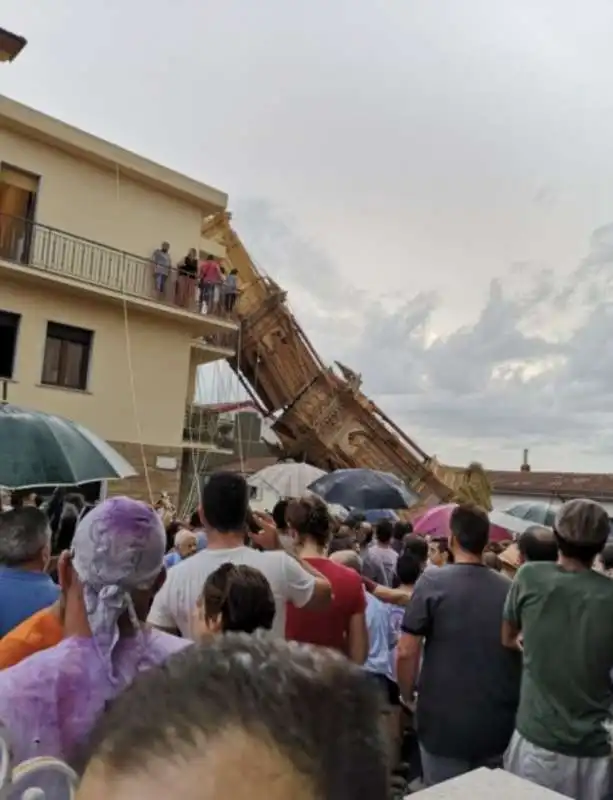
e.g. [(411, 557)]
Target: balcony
[(209, 429), (54, 252)]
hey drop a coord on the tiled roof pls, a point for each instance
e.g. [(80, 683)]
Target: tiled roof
[(564, 485)]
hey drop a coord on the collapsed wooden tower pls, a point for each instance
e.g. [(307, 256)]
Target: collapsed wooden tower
[(321, 415)]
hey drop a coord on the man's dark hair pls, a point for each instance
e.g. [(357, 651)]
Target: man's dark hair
[(583, 553), (24, 533), (385, 531), (194, 519), (355, 519), (242, 596), (278, 514), (606, 556), (172, 528), (309, 517), (408, 568), (538, 544), (402, 529), (225, 499), (325, 722), (470, 527), (338, 543), (416, 545)]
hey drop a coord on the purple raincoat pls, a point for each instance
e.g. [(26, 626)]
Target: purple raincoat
[(51, 701)]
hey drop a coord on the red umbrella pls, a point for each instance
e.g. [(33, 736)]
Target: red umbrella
[(435, 523)]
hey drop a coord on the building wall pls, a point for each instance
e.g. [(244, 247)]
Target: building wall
[(503, 501), (149, 484), (159, 351), (101, 205)]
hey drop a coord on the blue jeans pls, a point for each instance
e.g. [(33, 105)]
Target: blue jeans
[(436, 769), (160, 282)]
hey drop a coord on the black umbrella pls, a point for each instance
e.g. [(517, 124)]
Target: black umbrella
[(38, 449), (365, 489)]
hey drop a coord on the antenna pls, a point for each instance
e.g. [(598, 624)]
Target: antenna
[(525, 467)]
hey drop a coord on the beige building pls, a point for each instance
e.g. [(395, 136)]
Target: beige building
[(86, 332)]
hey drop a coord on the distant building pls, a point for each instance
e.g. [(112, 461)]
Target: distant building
[(84, 330), (510, 487)]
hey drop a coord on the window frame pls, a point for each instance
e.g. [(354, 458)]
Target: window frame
[(67, 335), (14, 323)]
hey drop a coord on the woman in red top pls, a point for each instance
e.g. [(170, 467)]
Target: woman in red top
[(342, 624)]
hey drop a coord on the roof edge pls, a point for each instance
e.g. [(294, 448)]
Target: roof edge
[(76, 142)]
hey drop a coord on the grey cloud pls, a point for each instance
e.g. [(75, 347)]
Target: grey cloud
[(497, 382), (286, 255)]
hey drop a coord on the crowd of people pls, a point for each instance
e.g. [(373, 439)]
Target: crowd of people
[(201, 284), (297, 655)]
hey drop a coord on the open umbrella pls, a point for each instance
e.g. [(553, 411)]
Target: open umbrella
[(515, 525), (286, 479), (364, 489), (340, 512), (435, 523), (375, 515), (38, 449), (536, 512)]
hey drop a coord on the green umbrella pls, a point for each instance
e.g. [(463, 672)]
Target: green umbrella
[(38, 449), (534, 511)]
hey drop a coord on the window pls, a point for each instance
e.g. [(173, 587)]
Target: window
[(67, 355), (9, 328)]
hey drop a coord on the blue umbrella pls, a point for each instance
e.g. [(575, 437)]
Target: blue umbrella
[(365, 489)]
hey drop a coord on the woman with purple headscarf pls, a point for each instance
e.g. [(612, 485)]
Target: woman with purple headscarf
[(50, 701)]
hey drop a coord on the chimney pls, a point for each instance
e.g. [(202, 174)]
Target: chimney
[(525, 467)]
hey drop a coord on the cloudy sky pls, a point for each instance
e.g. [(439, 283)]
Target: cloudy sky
[(431, 180)]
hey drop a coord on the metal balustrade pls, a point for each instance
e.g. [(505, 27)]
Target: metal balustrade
[(34, 245)]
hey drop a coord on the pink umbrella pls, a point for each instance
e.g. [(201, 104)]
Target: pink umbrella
[(435, 523)]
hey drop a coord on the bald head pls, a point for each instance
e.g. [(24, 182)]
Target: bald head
[(538, 543), (186, 542), (348, 558)]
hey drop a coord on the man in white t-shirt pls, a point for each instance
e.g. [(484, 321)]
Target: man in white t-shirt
[(224, 514)]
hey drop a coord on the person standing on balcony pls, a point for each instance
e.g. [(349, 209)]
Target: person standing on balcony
[(188, 275), (210, 278), (230, 291), (162, 265)]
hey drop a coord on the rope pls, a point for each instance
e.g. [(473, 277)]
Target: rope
[(239, 347), (139, 432)]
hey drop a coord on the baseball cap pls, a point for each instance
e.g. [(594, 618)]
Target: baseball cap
[(582, 522)]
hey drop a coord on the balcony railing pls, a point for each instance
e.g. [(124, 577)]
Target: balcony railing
[(203, 426), (40, 247)]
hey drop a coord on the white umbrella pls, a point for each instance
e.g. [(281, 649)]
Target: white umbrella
[(286, 479), (511, 523)]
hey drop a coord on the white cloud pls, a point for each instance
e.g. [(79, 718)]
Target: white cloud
[(514, 377)]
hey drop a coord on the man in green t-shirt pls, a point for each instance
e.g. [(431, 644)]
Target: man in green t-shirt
[(561, 616)]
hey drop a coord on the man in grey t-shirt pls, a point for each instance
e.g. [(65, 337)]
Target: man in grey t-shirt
[(469, 683), (383, 551)]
